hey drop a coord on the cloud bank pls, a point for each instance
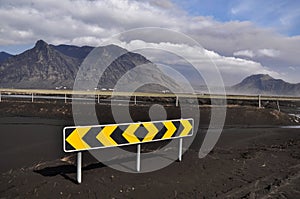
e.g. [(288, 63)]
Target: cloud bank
[(239, 48)]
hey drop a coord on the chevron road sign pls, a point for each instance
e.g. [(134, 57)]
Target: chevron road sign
[(81, 138)]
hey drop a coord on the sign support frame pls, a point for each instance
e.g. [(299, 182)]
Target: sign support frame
[(138, 158), (180, 149), (79, 161)]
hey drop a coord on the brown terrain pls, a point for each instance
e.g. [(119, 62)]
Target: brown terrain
[(257, 156)]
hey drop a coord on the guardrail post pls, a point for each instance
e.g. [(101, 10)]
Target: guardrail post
[(176, 100), (278, 106), (98, 99), (65, 97), (31, 97), (135, 99), (180, 150), (79, 156), (0, 97), (138, 158), (259, 101)]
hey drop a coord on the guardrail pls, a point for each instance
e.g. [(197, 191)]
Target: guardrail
[(98, 93)]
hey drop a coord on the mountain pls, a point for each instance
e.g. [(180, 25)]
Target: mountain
[(48, 66), (39, 67), (73, 51), (4, 56), (265, 84)]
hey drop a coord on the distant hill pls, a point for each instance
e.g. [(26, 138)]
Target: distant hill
[(4, 56), (48, 66), (265, 84)]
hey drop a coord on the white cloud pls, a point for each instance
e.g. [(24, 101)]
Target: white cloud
[(201, 58), (258, 53), (268, 52), (246, 53), (166, 4), (83, 22)]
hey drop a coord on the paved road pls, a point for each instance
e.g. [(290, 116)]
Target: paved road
[(27, 141)]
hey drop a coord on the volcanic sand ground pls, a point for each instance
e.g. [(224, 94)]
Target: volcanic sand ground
[(253, 158)]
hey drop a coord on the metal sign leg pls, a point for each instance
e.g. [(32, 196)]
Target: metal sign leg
[(180, 150), (138, 158), (79, 156)]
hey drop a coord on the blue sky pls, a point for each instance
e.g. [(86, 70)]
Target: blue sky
[(281, 15)]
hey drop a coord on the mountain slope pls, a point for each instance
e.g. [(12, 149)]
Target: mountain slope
[(265, 84), (40, 67), (73, 51), (4, 56)]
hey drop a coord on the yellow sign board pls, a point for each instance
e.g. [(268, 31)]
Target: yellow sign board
[(79, 138)]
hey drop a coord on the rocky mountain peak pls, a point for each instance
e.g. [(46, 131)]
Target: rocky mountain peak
[(39, 67), (43, 50), (266, 77), (258, 77), (40, 44)]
